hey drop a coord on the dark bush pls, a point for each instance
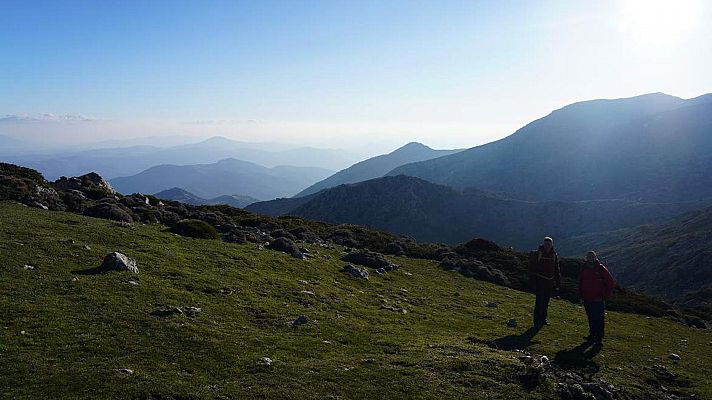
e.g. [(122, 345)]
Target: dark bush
[(108, 211), (366, 258), (97, 192), (195, 228)]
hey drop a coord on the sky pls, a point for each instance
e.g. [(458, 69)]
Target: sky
[(335, 73)]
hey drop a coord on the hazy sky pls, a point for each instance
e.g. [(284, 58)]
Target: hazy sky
[(335, 73)]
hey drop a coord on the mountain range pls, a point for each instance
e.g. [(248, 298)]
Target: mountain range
[(226, 176), (378, 166), (184, 196), (653, 148), (437, 213), (125, 161)]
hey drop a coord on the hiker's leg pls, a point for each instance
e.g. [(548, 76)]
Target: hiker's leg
[(601, 314), (587, 305), (545, 303), (539, 311)]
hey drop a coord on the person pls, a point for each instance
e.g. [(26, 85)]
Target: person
[(595, 286), (544, 277)]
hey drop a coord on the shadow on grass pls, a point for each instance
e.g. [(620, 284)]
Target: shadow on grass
[(511, 342), (579, 357), (91, 271)]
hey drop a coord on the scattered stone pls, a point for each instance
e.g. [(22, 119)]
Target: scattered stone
[(86, 247), (380, 271), (512, 323), (356, 272), (266, 361), (408, 273), (125, 371), (526, 359), (37, 204), (491, 304), (307, 292), (457, 294), (367, 258), (132, 282), (67, 241), (75, 279), (674, 357), (544, 360), (226, 291), (29, 267), (165, 312), (119, 262), (300, 320)]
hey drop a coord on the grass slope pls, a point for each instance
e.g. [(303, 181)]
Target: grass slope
[(65, 338)]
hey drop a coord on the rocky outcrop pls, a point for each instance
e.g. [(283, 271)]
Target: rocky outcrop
[(119, 262)]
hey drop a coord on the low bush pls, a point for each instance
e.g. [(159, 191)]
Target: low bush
[(195, 228)]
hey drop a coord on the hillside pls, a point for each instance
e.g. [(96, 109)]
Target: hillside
[(223, 178), (670, 259), (436, 213), (378, 166), (183, 196), (70, 331), (652, 148)]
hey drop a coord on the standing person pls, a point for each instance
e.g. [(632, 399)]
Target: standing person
[(595, 286), (544, 277)]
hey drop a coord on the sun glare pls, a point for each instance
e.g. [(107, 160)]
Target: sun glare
[(660, 21)]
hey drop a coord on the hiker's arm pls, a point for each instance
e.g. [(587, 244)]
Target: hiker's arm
[(609, 281)]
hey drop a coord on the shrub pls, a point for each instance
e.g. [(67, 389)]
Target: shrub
[(108, 211), (195, 228)]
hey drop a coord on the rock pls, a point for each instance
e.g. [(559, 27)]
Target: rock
[(132, 282), (356, 272), (408, 274), (674, 357), (307, 292), (544, 360), (380, 271), (286, 245), (86, 247), (491, 304), (366, 258), (119, 262), (300, 320), (526, 359), (265, 361), (164, 312), (37, 204), (512, 323), (125, 371), (598, 390), (30, 267)]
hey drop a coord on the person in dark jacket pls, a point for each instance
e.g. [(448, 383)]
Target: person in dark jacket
[(544, 277), (595, 286)]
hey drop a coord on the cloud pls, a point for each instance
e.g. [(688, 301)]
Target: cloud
[(46, 117)]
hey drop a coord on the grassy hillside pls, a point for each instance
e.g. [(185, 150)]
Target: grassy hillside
[(66, 332)]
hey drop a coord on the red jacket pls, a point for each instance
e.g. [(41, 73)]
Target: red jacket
[(595, 283)]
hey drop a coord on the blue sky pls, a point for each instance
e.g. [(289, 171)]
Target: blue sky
[(449, 73)]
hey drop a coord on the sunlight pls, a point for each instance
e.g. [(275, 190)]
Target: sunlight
[(659, 21)]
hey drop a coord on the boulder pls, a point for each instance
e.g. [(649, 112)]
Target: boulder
[(356, 272), (119, 262), (300, 320), (108, 211), (512, 323), (286, 245)]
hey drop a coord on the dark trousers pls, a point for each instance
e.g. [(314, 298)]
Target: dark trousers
[(541, 307), (596, 313)]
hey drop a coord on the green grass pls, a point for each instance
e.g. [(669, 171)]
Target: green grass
[(77, 333)]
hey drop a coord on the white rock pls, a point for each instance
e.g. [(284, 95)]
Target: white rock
[(119, 262)]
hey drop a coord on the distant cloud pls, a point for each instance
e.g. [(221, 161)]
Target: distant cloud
[(49, 117), (223, 122)]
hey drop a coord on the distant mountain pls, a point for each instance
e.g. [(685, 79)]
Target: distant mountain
[(670, 258), (184, 196), (378, 166), (436, 213), (654, 148), (120, 162), (224, 177)]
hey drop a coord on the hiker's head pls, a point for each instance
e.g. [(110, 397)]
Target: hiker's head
[(591, 256), (548, 243)]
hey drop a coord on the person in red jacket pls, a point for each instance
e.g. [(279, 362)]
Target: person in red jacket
[(595, 286), (544, 278)]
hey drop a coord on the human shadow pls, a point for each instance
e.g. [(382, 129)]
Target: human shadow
[(515, 342), (579, 357)]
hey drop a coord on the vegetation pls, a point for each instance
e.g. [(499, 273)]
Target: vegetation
[(195, 228), (67, 332)]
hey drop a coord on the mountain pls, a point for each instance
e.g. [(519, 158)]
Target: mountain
[(125, 161), (378, 166), (670, 259), (224, 177), (184, 196), (653, 148), (436, 213)]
